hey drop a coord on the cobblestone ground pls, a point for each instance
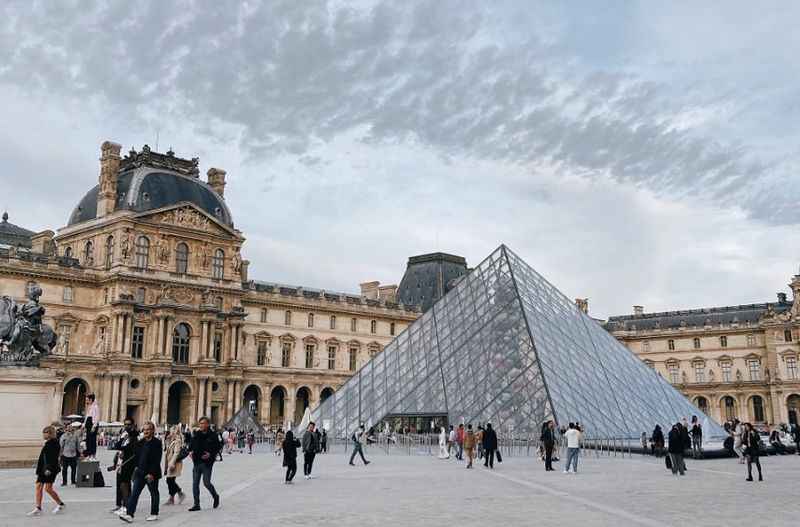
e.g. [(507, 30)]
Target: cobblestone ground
[(423, 490)]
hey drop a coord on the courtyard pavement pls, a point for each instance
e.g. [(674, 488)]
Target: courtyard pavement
[(422, 490)]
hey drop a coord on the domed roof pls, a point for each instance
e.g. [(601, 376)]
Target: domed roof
[(11, 234), (145, 188)]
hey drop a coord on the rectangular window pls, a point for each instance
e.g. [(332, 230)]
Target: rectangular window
[(353, 357), (674, 373), (311, 320), (331, 357), (755, 370), (105, 296), (723, 342), (287, 318), (791, 367), (68, 295), (751, 340), (261, 359), (645, 346), (218, 347), (333, 321), (264, 316), (140, 294), (373, 327), (391, 329), (726, 371), (699, 373), (671, 345), (787, 335), (137, 342), (309, 355), (696, 343), (353, 325), (286, 354)]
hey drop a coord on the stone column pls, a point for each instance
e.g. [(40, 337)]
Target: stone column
[(169, 328), (199, 403), (228, 400), (156, 400), (159, 337), (126, 346), (123, 399), (115, 333), (164, 404), (209, 394), (237, 396), (266, 400), (114, 413), (289, 405), (236, 331), (108, 393), (203, 340)]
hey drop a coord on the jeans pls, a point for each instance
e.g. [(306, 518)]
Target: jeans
[(677, 463), (697, 447), (67, 463), (459, 450), (203, 470), (357, 450), (173, 487), (572, 458), (291, 469), (139, 483), (308, 462)]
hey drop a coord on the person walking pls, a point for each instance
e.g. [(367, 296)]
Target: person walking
[(657, 440), (124, 464), (146, 474), (324, 441), (443, 453), (460, 442), (752, 450), (738, 444), (676, 448), (469, 445), (310, 447), (289, 449), (46, 471), (451, 441), (479, 441), (548, 441), (251, 440), (697, 438), (358, 438), (173, 465), (279, 437), (203, 447), (573, 438), (489, 445), (70, 445)]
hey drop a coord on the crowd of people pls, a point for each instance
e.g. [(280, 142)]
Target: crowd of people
[(480, 443)]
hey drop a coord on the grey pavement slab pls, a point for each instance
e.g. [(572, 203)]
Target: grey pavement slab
[(422, 490)]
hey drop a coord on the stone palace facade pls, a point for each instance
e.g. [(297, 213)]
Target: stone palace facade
[(733, 361), (149, 293)]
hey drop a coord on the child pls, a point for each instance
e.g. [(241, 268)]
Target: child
[(46, 470)]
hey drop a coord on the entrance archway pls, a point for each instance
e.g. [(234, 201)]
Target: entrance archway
[(302, 402), (326, 392), (252, 399), (179, 403), (793, 407), (276, 407), (74, 401)]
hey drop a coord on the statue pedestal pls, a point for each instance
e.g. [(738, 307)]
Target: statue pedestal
[(30, 399)]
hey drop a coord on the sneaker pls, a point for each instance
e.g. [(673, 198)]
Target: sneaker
[(566, 472), (352, 464), (59, 508), (151, 518), (194, 508), (127, 518), (216, 501), (35, 512), (367, 462)]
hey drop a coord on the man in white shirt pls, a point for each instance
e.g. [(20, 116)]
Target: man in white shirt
[(573, 438)]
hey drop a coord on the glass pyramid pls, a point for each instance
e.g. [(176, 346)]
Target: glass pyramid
[(505, 346)]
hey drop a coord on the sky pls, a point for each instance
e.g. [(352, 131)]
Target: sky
[(632, 152)]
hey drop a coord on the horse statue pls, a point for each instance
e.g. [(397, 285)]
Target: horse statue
[(24, 338)]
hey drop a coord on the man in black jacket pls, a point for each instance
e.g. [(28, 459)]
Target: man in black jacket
[(310, 448), (489, 445), (204, 448), (549, 441), (125, 463), (146, 474), (676, 448)]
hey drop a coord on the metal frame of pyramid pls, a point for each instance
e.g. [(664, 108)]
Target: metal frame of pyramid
[(506, 347)]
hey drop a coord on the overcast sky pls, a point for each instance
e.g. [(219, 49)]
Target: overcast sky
[(634, 154)]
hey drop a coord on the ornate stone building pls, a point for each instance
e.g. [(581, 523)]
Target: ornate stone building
[(149, 293), (733, 361)]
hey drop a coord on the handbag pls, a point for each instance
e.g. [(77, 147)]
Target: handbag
[(183, 453), (668, 461), (499, 457)]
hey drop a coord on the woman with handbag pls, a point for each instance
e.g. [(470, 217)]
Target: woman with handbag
[(173, 464), (47, 468), (750, 441)]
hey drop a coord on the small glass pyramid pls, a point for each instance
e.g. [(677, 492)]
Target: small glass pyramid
[(506, 347)]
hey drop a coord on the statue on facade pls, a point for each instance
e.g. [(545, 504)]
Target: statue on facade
[(23, 336), (236, 262)]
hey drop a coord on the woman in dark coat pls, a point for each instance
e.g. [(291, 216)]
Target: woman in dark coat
[(657, 440), (289, 447), (46, 470), (750, 441)]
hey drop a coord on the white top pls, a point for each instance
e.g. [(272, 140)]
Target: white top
[(573, 438), (452, 435)]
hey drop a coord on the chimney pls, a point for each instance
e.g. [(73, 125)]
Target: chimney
[(583, 304), (216, 180), (388, 293), (638, 310), (109, 170), (369, 290)]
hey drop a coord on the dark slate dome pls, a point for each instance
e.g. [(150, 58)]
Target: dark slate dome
[(429, 277), (14, 235), (144, 188)]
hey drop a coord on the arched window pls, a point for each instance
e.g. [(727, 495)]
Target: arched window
[(702, 404), (287, 318), (373, 327), (730, 407), (758, 409), (109, 252), (142, 252), (311, 320), (180, 344), (182, 258), (218, 264), (88, 254), (68, 252), (333, 321)]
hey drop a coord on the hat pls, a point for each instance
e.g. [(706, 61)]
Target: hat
[(76, 424)]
